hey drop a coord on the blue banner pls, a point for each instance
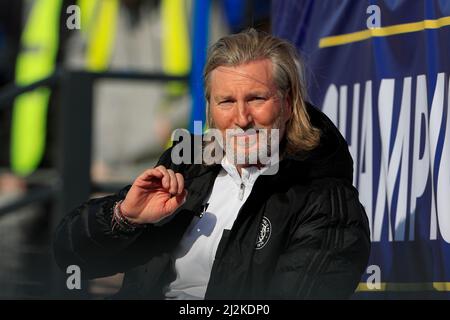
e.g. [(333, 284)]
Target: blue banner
[(380, 70)]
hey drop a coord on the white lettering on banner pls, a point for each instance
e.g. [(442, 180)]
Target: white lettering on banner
[(404, 174), (366, 169), (443, 178), (342, 107), (420, 164), (435, 122), (390, 161), (330, 103), (353, 144), (386, 102)]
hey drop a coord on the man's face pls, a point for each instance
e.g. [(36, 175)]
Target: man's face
[(246, 97)]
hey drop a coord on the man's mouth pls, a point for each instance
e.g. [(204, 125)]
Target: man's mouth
[(247, 133)]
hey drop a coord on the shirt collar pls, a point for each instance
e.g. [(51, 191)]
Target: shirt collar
[(249, 174)]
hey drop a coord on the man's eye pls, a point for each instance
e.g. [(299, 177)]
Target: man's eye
[(258, 99), (225, 102)]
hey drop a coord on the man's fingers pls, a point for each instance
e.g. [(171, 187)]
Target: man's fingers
[(150, 173), (173, 189), (171, 181), (173, 203), (166, 177), (149, 178), (180, 181), (181, 198)]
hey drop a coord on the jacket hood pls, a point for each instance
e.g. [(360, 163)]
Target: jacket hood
[(331, 158)]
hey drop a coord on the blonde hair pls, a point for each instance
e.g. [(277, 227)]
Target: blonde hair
[(251, 45)]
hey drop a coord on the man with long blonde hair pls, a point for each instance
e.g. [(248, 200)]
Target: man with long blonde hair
[(235, 229)]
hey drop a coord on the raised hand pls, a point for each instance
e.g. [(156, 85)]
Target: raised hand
[(154, 195)]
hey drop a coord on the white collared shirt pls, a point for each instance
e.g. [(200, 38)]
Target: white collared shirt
[(193, 259)]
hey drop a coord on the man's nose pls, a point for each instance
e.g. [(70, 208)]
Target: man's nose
[(243, 116)]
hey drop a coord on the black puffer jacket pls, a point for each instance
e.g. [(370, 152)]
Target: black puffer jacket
[(316, 235)]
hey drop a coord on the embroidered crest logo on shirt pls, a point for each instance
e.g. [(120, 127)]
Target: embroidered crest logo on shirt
[(265, 230)]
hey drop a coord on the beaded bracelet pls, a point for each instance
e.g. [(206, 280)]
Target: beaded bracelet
[(121, 223)]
